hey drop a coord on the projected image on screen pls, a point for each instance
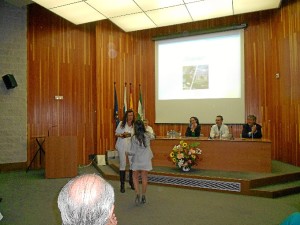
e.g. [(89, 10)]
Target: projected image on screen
[(195, 77), (200, 76)]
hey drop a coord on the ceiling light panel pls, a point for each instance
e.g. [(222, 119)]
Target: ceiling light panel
[(245, 6), (130, 15), (210, 9), (138, 21), (54, 3), (83, 13), (113, 8), (190, 1), (157, 4), (170, 16)]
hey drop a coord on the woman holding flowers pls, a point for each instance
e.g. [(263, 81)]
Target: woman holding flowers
[(141, 158)]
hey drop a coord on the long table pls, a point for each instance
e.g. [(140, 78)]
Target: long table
[(244, 155)]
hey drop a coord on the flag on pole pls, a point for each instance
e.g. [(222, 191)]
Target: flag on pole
[(130, 99), (140, 106), (125, 100), (116, 106)]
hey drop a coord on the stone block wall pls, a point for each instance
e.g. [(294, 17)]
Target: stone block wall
[(13, 102)]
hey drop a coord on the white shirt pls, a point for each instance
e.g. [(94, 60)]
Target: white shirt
[(149, 129), (124, 143), (215, 131)]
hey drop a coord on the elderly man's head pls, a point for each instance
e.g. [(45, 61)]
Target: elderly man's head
[(86, 199), (251, 120)]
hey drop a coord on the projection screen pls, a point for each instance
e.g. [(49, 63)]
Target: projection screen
[(201, 76)]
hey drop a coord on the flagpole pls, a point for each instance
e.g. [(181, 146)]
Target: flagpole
[(116, 106), (125, 99), (140, 105), (143, 106), (130, 99)]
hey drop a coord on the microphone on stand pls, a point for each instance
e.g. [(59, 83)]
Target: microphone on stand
[(209, 137), (252, 131), (232, 137), (50, 129)]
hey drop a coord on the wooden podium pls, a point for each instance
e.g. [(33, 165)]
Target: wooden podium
[(61, 156)]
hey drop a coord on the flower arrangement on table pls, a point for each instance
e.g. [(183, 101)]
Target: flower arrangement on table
[(185, 155)]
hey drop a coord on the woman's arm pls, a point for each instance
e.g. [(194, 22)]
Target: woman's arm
[(198, 131), (188, 132)]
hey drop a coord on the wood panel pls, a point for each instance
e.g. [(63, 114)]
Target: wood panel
[(61, 62), (94, 56), (61, 156), (240, 155)]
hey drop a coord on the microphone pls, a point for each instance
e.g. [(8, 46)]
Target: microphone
[(210, 137), (232, 137), (50, 129)]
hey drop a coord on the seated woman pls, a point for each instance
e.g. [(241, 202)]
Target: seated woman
[(194, 129)]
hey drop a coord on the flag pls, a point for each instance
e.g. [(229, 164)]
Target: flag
[(116, 107), (125, 101), (130, 99), (140, 106)]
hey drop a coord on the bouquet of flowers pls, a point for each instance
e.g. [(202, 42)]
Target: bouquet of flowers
[(185, 155)]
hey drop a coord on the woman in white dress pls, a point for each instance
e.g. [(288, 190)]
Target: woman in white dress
[(124, 133), (141, 158)]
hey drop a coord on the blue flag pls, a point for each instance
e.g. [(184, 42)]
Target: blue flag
[(125, 101), (116, 107)]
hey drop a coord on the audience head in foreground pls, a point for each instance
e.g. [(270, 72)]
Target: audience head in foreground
[(87, 200), (293, 219)]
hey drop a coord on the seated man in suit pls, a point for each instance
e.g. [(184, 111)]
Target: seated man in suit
[(87, 199), (219, 130), (251, 129)]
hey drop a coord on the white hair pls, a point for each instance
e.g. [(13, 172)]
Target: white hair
[(86, 200)]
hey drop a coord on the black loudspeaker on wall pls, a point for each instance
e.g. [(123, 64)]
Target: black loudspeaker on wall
[(9, 81)]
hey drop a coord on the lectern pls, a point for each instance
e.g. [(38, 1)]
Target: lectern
[(61, 156)]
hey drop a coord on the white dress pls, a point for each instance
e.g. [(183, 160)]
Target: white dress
[(123, 144), (141, 155)]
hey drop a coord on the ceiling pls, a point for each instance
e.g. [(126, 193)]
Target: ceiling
[(132, 15)]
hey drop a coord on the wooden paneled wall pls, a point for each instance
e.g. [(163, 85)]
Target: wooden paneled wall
[(61, 62), (88, 59)]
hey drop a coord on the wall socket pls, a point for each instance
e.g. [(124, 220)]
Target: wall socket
[(58, 97)]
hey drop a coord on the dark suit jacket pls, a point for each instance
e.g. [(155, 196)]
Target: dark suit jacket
[(247, 129), (189, 132)]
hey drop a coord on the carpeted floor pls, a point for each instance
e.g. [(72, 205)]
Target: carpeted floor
[(30, 199)]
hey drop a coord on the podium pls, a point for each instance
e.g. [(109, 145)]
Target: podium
[(61, 156)]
